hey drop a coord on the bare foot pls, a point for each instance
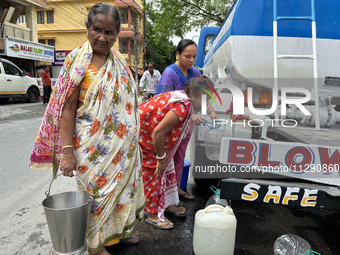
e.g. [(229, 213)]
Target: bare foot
[(154, 217), (102, 251), (175, 207)]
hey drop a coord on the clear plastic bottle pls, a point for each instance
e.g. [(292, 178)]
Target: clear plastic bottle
[(290, 244), (215, 199), (212, 141)]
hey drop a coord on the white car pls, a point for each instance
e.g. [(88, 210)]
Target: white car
[(14, 83)]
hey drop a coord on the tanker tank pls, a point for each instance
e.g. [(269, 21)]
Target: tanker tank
[(243, 46)]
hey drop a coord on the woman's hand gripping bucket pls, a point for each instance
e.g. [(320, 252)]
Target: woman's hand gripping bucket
[(67, 216)]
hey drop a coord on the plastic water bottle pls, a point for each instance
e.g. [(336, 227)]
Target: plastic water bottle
[(290, 244), (212, 141), (215, 199)]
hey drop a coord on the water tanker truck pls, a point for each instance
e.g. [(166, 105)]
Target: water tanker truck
[(276, 69)]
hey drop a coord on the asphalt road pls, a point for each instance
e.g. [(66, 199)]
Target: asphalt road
[(24, 229)]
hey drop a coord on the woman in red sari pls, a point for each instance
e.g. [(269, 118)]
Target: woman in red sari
[(164, 124)]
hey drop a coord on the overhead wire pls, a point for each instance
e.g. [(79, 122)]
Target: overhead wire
[(49, 26), (60, 11)]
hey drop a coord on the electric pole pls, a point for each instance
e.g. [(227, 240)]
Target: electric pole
[(144, 41), (135, 31)]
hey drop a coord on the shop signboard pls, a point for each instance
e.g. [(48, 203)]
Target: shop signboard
[(19, 48), (59, 56)]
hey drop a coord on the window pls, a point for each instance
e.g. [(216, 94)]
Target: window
[(51, 42), (124, 17), (208, 43), (42, 41), (11, 70), (134, 18), (123, 45), (22, 19), (40, 17), (50, 17)]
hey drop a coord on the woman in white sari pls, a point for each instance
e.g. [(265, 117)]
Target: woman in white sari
[(91, 125)]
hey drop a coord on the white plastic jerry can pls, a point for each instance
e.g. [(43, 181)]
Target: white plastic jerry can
[(214, 231)]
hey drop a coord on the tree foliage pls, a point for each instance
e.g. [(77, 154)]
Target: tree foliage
[(162, 53), (168, 18), (176, 17)]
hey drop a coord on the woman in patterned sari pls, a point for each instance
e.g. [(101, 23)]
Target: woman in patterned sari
[(165, 123), (91, 125), (173, 78)]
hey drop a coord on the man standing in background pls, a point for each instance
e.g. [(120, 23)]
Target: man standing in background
[(46, 79), (150, 77)]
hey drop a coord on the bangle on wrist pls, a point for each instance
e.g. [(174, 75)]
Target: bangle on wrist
[(161, 158), (67, 146)]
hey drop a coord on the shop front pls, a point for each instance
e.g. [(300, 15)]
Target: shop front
[(27, 54)]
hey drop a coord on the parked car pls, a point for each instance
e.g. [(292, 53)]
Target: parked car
[(15, 84)]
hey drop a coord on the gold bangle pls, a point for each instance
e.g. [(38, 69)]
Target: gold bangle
[(67, 146)]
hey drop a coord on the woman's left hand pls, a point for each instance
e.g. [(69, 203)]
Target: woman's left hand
[(160, 168), (68, 162), (198, 120)]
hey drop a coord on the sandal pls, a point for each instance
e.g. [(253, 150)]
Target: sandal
[(173, 212), (125, 240), (155, 223), (186, 196)]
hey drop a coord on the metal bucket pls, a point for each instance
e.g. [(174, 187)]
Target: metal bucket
[(67, 216)]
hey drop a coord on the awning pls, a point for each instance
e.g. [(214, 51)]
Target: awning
[(140, 70), (125, 34), (129, 34)]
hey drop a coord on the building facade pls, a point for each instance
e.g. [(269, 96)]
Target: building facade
[(62, 25), (19, 43)]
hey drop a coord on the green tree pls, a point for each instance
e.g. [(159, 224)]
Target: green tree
[(161, 52), (176, 17)]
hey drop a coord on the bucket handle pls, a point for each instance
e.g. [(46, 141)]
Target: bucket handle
[(47, 193), (226, 209)]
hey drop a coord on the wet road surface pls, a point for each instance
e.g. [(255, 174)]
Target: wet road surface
[(258, 226)]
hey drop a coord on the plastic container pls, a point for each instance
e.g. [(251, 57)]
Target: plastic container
[(214, 231), (215, 199), (212, 141), (291, 244), (185, 174)]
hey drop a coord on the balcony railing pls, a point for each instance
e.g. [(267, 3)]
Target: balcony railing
[(13, 30)]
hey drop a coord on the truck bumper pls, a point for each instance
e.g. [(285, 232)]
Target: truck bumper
[(280, 192)]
